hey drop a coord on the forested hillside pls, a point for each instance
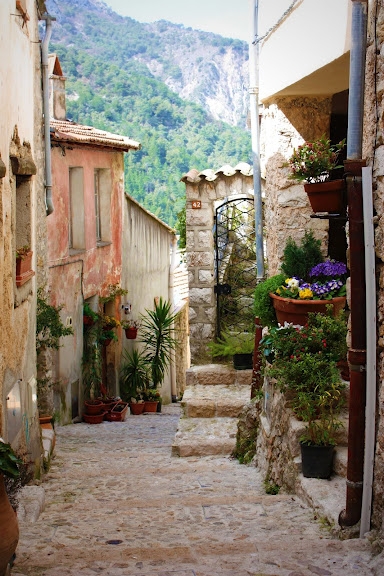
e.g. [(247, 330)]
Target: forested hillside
[(119, 78)]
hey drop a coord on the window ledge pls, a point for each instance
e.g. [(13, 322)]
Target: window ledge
[(75, 251), (101, 244)]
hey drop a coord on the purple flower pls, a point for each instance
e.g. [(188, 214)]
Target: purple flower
[(330, 268)]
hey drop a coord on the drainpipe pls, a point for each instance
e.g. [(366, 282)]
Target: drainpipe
[(172, 299), (47, 135), (254, 111), (357, 351)]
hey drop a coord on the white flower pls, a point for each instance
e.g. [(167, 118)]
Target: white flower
[(292, 282)]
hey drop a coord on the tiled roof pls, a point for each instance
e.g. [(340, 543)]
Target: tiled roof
[(67, 131), (194, 176)]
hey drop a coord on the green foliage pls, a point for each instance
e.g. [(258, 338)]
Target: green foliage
[(49, 327), (111, 87), (263, 307), (181, 227), (230, 344), (313, 161), (304, 366), (245, 448), (114, 291), (134, 376), (9, 462), (87, 311), (299, 259), (270, 487), (91, 362)]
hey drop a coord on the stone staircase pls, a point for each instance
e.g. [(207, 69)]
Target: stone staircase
[(212, 402)]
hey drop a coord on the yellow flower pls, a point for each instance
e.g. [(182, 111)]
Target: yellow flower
[(305, 294)]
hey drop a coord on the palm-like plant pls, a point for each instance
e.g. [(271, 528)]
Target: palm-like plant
[(158, 340), (134, 376)]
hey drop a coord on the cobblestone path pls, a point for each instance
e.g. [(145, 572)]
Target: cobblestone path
[(118, 504)]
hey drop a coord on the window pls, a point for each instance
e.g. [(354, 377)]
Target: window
[(76, 232), (103, 187)]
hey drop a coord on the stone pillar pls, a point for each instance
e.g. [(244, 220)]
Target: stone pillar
[(203, 191)]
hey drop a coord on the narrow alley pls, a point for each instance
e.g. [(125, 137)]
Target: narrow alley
[(117, 503)]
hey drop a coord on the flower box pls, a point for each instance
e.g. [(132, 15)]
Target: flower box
[(24, 270), (326, 196)]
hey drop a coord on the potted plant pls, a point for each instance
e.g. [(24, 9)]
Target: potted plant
[(90, 317), (157, 337), (134, 379), (303, 360), (310, 284), (130, 327), (239, 346), (312, 163), (9, 529), (23, 265)]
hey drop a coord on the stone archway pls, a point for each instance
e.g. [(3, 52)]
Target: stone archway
[(203, 189)]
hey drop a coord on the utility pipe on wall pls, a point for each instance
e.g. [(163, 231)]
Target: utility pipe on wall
[(47, 134), (357, 351), (171, 292), (254, 111)]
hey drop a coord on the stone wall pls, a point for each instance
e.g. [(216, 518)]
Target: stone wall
[(285, 124), (206, 188)]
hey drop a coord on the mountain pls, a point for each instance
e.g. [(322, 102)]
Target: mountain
[(180, 92)]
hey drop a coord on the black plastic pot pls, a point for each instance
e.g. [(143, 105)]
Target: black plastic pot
[(316, 461), (243, 361)]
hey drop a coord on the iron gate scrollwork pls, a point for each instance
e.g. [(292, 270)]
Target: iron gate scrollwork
[(235, 265)]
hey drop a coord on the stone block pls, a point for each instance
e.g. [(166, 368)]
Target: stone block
[(201, 409), (200, 296), (205, 239), (192, 314), (201, 332), (200, 259), (206, 277), (201, 217), (190, 240)]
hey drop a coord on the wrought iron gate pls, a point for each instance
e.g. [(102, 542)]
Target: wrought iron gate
[(235, 265)]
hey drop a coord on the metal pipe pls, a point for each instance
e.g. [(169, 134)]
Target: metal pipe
[(254, 112), (47, 134), (357, 352), (370, 411), (172, 300)]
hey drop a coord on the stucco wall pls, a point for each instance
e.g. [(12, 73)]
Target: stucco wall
[(76, 275), (146, 265), (21, 109)]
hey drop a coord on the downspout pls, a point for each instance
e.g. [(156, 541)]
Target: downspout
[(47, 135), (172, 299), (254, 49), (357, 351)]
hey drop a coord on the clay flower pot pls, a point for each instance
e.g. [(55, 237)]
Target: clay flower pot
[(136, 408), (93, 407), (326, 196), (150, 406), (131, 333), (296, 311)]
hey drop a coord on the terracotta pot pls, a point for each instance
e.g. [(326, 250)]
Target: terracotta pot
[(150, 406), (94, 418), (296, 311), (107, 341), (93, 407), (136, 408), (131, 333), (326, 196), (24, 269), (118, 412), (9, 529), (87, 320)]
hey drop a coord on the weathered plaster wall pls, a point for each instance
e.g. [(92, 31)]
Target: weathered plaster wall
[(21, 109), (200, 253), (146, 264), (286, 124), (76, 275)]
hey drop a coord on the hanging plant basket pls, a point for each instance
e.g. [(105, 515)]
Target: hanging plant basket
[(326, 196), (131, 333), (296, 311)]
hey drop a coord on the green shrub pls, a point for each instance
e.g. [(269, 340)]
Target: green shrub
[(263, 307), (230, 344), (299, 259)]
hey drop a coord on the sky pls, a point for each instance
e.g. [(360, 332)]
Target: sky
[(229, 18)]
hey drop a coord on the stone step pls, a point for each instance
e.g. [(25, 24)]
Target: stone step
[(205, 437), (217, 374), (212, 401), (340, 461)]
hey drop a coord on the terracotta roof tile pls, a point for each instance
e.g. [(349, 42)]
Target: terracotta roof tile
[(67, 131)]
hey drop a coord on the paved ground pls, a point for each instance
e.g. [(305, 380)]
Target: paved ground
[(118, 504)]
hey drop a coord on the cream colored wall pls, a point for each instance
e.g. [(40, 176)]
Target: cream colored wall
[(21, 107), (145, 268), (314, 35)]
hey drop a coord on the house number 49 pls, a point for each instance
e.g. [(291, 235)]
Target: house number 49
[(196, 204)]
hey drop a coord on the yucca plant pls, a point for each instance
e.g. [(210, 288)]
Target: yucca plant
[(134, 375), (156, 335), (9, 462)]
